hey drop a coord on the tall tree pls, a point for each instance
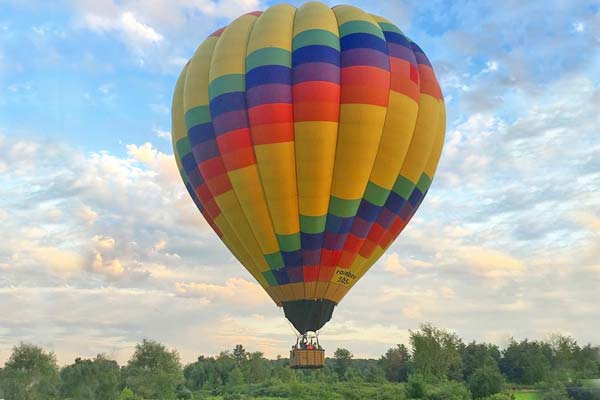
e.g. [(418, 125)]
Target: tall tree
[(478, 355), (154, 371), (239, 354), (526, 362), (256, 368), (341, 361), (30, 374), (564, 357), (198, 374), (235, 378), (588, 362), (486, 381), (97, 379), (437, 352), (396, 364)]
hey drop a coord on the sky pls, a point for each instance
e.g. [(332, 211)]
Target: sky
[(101, 247)]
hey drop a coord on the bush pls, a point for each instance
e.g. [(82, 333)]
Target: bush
[(485, 381), (583, 393), (127, 394), (554, 391), (500, 396), (234, 396), (416, 387), (448, 391)]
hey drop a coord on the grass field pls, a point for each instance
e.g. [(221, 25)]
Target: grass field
[(526, 396)]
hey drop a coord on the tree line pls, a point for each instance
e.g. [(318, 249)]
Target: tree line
[(436, 365)]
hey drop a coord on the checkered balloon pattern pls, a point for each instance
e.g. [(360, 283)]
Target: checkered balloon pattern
[(308, 138)]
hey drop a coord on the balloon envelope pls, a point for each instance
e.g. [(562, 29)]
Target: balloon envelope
[(308, 138)]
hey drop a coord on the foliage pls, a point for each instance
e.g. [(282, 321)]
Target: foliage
[(478, 355), (127, 394), (448, 390), (554, 391), (97, 379), (416, 387), (526, 362), (342, 359), (583, 393), (153, 371), (239, 354), (438, 366), (235, 378), (428, 387), (500, 396), (30, 374), (396, 364), (486, 381), (437, 352)]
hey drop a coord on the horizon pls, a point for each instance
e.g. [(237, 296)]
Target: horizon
[(103, 246)]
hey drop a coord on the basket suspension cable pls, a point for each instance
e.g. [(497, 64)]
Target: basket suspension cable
[(291, 326)]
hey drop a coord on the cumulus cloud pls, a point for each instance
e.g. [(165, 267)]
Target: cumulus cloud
[(239, 291), (392, 264), (508, 234), (159, 32), (489, 263)]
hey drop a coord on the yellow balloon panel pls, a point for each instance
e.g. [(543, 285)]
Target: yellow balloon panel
[(308, 138)]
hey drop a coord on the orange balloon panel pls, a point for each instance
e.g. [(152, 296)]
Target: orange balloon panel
[(308, 138)]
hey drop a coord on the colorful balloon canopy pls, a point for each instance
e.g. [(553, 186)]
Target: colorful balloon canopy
[(308, 137)]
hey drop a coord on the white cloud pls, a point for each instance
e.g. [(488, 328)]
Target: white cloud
[(111, 268), (447, 292), (58, 261), (392, 264), (490, 263), (412, 312), (104, 242), (137, 30), (136, 34), (235, 290), (88, 215), (159, 32), (162, 134), (160, 245)]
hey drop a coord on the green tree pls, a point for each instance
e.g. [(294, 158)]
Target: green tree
[(486, 381), (256, 368), (97, 379), (526, 362), (127, 394), (239, 354), (588, 362), (197, 373), (153, 371), (564, 357), (554, 390), (374, 374), (30, 374), (353, 375), (437, 352), (183, 393), (478, 355), (342, 358), (235, 378), (224, 363), (396, 364), (448, 390)]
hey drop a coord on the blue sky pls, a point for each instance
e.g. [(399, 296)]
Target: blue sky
[(94, 218)]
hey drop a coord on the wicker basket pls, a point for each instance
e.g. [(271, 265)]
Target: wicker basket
[(307, 359)]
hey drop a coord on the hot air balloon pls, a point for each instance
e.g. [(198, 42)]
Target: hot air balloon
[(308, 138)]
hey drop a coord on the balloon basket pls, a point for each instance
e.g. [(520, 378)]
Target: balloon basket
[(307, 353)]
